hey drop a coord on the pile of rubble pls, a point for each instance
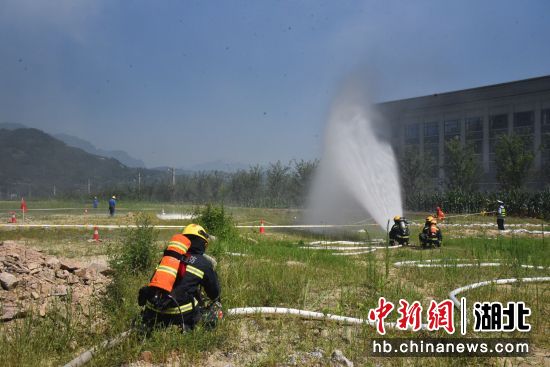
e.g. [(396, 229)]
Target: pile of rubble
[(31, 280)]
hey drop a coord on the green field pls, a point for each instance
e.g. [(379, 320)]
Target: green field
[(276, 271)]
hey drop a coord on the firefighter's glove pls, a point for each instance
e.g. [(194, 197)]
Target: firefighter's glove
[(157, 297), (144, 295)]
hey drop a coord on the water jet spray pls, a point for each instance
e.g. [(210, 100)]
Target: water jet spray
[(358, 164)]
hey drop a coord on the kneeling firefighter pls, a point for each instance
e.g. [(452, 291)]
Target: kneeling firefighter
[(173, 295), (431, 235), (399, 233)]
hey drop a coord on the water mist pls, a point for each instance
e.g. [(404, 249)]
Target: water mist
[(358, 171)]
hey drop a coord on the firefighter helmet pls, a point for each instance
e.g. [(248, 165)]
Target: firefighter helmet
[(429, 218), (196, 230), (397, 218)]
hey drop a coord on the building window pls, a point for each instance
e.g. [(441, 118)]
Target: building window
[(474, 128), (431, 129), (498, 125), (452, 129), (545, 117), (524, 125), (412, 133), (498, 122)]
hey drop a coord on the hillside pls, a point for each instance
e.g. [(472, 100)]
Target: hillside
[(32, 159), (85, 145)]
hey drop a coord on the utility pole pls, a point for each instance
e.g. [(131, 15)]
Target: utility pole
[(54, 190), (173, 184), (89, 187), (139, 184)]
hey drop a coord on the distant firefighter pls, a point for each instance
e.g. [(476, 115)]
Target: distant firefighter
[(95, 202), (501, 214), (112, 205), (399, 233), (431, 234), (440, 215)]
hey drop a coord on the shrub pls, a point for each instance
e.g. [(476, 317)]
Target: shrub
[(216, 221), (137, 252)]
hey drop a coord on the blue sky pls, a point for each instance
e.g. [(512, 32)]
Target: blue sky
[(185, 82)]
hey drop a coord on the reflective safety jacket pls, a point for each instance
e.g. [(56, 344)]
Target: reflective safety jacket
[(501, 212), (433, 233), (194, 271)]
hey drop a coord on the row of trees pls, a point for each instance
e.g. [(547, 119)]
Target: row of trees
[(513, 163), (278, 185)]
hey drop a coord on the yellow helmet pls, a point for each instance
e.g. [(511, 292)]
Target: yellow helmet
[(196, 230), (396, 218), (429, 218)]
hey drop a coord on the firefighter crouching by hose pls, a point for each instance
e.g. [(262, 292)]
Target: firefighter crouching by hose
[(431, 234), (399, 233), (173, 294)]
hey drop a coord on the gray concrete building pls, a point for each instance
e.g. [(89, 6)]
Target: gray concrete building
[(477, 116)]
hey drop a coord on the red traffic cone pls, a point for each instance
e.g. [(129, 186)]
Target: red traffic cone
[(13, 218), (262, 229), (96, 235)]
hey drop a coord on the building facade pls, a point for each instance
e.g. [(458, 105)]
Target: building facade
[(478, 117)]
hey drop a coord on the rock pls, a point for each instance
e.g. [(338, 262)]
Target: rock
[(48, 274), (59, 290), (86, 274), (53, 263), (35, 295), (101, 279), (12, 312), (317, 353), (14, 256), (72, 279), (42, 309), (33, 265), (338, 357), (101, 268), (146, 356), (62, 274), (70, 265), (324, 333), (46, 289), (8, 281)]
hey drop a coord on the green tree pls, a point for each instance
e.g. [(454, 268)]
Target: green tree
[(302, 175), (277, 183), (513, 161), (461, 167)]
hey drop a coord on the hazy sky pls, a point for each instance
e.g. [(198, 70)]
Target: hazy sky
[(185, 82)]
